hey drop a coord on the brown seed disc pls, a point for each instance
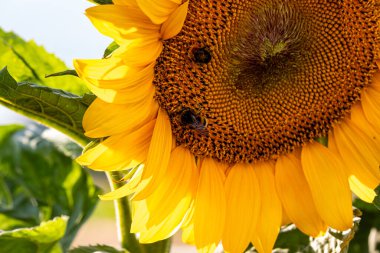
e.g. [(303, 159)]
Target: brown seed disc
[(250, 80)]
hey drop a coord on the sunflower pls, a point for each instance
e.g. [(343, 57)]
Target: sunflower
[(234, 117)]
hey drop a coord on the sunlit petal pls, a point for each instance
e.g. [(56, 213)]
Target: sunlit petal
[(296, 196), (158, 11), (174, 24), (104, 119), (243, 207), (328, 182), (158, 156), (122, 23), (270, 218), (210, 206)]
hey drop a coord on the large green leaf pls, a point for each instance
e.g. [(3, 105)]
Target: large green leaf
[(40, 181), (53, 107), (39, 239), (30, 62)]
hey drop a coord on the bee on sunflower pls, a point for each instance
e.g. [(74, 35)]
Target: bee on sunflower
[(215, 108)]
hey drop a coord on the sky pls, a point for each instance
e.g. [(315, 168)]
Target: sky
[(58, 25)]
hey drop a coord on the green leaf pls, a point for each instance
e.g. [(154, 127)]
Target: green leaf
[(52, 107), (111, 47), (102, 1), (69, 72), (31, 63), (10, 222), (6, 200), (40, 239), (96, 248), (42, 182)]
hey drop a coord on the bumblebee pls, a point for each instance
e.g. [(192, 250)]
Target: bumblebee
[(192, 119)]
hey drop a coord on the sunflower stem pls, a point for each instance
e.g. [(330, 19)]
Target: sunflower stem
[(123, 218), (160, 246)]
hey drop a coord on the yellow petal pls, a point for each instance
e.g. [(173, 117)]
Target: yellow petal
[(359, 119), (243, 207), (296, 196), (158, 156), (140, 216), (169, 225), (285, 218), (114, 82), (104, 119), (129, 95), (188, 234), (328, 182), (364, 151), (120, 150), (173, 25), (363, 191), (100, 70), (188, 226), (140, 52), (122, 23), (112, 73), (180, 181), (126, 189), (131, 3), (210, 206), (358, 187), (370, 99), (158, 11), (361, 156), (270, 218), (208, 249)]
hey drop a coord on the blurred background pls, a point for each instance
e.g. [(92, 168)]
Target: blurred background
[(63, 30)]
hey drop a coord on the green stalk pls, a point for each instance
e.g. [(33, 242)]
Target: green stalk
[(123, 217), (160, 246)]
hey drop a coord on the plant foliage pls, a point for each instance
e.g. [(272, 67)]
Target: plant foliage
[(53, 107), (29, 62), (39, 182), (39, 239)]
